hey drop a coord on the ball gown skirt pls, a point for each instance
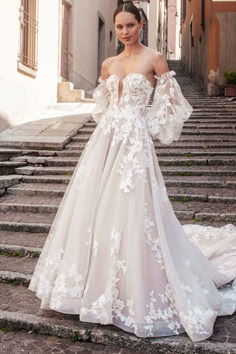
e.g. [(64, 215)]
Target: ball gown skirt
[(116, 253)]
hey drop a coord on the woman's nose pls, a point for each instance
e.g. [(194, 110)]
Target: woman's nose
[(125, 30)]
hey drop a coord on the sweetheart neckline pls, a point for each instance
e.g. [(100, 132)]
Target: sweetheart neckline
[(122, 79)]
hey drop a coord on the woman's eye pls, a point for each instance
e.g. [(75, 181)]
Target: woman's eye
[(118, 27), (131, 25)]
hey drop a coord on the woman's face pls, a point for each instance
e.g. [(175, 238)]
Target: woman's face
[(127, 28)]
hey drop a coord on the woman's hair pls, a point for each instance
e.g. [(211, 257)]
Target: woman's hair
[(128, 6)]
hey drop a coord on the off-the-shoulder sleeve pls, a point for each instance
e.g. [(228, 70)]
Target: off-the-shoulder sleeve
[(101, 96), (169, 110)]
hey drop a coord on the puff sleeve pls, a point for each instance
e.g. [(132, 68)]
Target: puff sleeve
[(169, 110), (101, 96)]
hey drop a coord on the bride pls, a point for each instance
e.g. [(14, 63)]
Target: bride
[(116, 253)]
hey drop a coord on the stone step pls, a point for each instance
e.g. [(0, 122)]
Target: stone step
[(167, 152), (81, 137), (22, 239), (217, 121), (185, 159), (213, 126), (62, 168), (212, 195), (198, 153), (48, 161), (25, 218), (216, 109), (189, 182), (206, 117), (207, 103), (179, 193), (188, 125), (209, 139), (27, 342), (207, 171), (47, 179), (9, 180), (8, 167), (187, 131), (16, 262), (20, 309), (190, 146), (187, 135), (229, 180), (167, 170), (217, 116), (181, 144), (23, 242), (9, 250), (63, 181), (38, 189), (15, 144), (27, 208), (6, 154), (37, 171), (24, 227), (213, 161), (200, 211)]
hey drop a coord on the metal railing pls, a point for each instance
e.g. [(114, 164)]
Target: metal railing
[(28, 34)]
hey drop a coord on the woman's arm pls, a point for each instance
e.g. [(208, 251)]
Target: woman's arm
[(105, 68), (159, 64)]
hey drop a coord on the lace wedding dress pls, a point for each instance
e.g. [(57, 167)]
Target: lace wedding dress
[(116, 253)]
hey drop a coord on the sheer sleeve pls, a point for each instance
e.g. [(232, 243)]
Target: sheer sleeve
[(101, 96), (169, 110)]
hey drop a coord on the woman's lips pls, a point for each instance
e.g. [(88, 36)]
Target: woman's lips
[(126, 38)]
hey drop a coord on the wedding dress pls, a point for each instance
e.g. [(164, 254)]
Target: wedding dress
[(116, 253)]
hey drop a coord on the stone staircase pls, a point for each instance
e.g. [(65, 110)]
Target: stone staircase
[(200, 174)]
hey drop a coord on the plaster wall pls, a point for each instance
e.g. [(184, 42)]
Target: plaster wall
[(84, 48), (227, 58), (153, 24), (22, 95), (172, 20)]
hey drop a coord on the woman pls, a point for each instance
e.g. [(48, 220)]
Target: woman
[(116, 253)]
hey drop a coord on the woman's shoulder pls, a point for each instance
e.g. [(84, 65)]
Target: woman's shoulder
[(106, 66), (154, 54), (158, 61)]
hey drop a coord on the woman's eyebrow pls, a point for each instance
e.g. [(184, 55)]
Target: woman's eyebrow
[(129, 23)]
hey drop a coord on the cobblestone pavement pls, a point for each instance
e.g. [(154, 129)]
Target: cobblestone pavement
[(31, 343), (20, 299)]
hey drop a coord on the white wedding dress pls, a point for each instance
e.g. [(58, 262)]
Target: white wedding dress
[(116, 253)]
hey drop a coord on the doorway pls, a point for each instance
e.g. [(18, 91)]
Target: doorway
[(191, 47), (101, 43), (65, 40)]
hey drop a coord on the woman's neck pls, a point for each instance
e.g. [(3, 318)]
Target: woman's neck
[(131, 50)]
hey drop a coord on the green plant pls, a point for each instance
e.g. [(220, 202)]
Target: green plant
[(196, 219), (5, 330), (76, 337), (230, 77)]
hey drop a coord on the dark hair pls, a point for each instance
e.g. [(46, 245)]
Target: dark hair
[(128, 7)]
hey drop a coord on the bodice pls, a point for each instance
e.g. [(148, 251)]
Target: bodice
[(123, 102), (135, 91)]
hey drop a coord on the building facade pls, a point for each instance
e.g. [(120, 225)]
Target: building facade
[(91, 39), (209, 41), (29, 60), (47, 42)]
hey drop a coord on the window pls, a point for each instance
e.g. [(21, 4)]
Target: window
[(28, 36)]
